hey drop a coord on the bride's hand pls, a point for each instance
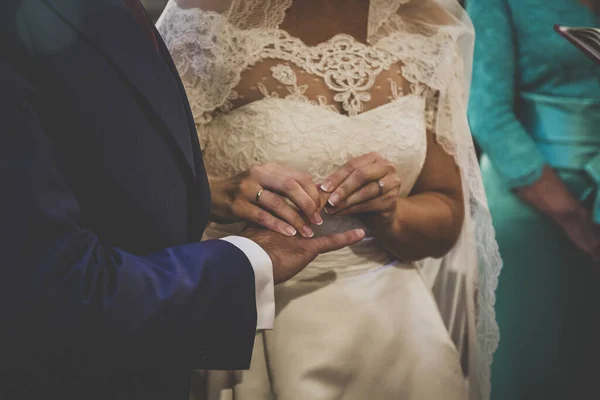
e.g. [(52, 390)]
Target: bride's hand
[(259, 195), (365, 184)]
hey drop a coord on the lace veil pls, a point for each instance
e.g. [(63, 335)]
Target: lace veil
[(434, 39)]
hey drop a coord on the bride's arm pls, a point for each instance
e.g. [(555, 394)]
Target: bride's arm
[(425, 224), (428, 222)]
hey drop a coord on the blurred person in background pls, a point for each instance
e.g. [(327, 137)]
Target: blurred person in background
[(535, 111)]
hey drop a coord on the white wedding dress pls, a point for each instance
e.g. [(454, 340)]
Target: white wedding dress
[(355, 324)]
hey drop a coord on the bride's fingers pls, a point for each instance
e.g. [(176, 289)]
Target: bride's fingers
[(278, 207), (289, 186), (263, 218), (359, 178), (334, 180), (378, 204), (312, 191), (324, 196), (367, 192), (390, 183)]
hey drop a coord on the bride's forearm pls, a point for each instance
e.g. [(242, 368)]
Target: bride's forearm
[(221, 200), (421, 226)]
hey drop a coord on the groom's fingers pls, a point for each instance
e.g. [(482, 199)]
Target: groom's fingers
[(337, 241)]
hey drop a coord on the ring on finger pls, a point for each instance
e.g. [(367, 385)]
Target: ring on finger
[(258, 194), (381, 185)]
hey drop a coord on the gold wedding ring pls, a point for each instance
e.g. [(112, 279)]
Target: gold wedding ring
[(258, 194)]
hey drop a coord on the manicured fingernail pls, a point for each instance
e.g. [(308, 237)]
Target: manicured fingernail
[(290, 231), (306, 231), (326, 210), (326, 186), (317, 219), (334, 199), (360, 233)]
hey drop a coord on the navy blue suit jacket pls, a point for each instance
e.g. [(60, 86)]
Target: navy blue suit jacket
[(105, 291)]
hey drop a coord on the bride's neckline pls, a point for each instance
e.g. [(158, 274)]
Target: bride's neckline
[(348, 67), (279, 31), (325, 43), (399, 102), (278, 43)]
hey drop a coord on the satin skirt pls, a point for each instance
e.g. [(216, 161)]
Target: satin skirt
[(547, 306), (376, 335)]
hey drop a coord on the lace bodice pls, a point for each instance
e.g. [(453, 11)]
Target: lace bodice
[(341, 74), (313, 109)]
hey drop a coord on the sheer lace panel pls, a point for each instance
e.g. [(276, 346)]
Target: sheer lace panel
[(341, 74)]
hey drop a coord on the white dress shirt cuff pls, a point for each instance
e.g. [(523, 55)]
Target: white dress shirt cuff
[(263, 277)]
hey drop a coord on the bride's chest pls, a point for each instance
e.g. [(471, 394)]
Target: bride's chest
[(315, 139), (313, 108)]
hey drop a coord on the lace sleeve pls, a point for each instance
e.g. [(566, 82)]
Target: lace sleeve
[(431, 109), (209, 54)]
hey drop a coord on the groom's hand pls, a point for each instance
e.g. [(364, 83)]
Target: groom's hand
[(290, 255)]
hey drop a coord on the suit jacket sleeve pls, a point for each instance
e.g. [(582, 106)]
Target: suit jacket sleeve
[(65, 296)]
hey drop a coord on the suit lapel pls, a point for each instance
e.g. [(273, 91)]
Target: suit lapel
[(110, 27)]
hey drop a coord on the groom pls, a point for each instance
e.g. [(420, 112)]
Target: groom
[(105, 290)]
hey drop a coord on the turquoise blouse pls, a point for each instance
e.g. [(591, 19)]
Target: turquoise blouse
[(519, 59)]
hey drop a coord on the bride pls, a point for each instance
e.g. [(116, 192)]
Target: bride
[(318, 116)]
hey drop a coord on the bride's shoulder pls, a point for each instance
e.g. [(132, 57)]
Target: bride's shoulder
[(428, 12), (183, 17)]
